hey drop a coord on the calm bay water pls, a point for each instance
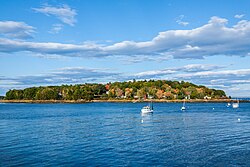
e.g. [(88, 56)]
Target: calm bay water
[(116, 134)]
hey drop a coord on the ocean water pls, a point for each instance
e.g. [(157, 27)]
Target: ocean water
[(116, 134)]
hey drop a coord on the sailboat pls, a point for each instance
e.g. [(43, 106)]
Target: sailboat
[(147, 109), (236, 105), (183, 106)]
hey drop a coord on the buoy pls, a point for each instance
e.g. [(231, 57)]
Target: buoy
[(238, 119), (142, 121), (213, 108)]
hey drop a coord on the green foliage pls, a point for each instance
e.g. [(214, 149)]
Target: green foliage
[(160, 89), (14, 95), (30, 93), (47, 94)]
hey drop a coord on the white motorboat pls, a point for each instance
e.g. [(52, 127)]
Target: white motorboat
[(236, 105), (228, 104), (147, 109)]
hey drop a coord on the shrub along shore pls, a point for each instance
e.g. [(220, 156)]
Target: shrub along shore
[(123, 101)]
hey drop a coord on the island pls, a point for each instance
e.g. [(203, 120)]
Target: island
[(129, 91)]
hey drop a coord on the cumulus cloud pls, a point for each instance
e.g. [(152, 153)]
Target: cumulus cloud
[(239, 16), (63, 13), (16, 29), (180, 21), (212, 39), (8, 45)]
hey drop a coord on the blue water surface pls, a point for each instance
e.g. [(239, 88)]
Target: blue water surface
[(116, 134)]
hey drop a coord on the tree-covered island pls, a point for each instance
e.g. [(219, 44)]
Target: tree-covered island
[(131, 90)]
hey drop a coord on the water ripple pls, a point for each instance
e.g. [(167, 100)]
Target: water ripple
[(112, 134)]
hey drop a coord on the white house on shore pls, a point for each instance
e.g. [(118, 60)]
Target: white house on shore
[(207, 98)]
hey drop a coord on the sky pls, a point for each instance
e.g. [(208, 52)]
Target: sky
[(52, 42)]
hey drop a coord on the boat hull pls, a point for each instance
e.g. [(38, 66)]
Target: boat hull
[(144, 111), (183, 108), (235, 105)]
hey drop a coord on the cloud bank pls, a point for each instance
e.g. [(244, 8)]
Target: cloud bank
[(213, 76), (16, 29), (67, 75), (212, 39), (190, 69)]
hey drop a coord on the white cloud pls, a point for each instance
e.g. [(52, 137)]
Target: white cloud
[(67, 75), (212, 39), (190, 69), (239, 90), (63, 13), (16, 29), (231, 81), (218, 74), (7, 45), (56, 28), (155, 73), (199, 67), (239, 16), (181, 22)]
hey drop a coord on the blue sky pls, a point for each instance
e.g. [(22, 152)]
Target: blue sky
[(52, 42)]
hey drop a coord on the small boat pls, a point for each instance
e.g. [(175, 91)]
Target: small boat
[(147, 109), (183, 107), (228, 104), (236, 105)]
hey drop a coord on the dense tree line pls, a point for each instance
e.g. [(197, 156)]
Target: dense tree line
[(159, 89)]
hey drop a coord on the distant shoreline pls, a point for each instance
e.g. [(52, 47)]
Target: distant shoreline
[(122, 101)]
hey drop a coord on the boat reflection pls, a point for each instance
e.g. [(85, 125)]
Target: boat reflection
[(146, 117)]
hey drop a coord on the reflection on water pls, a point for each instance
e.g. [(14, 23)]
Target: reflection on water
[(117, 134), (146, 117)]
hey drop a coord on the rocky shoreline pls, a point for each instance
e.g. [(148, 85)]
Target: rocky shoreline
[(123, 101)]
